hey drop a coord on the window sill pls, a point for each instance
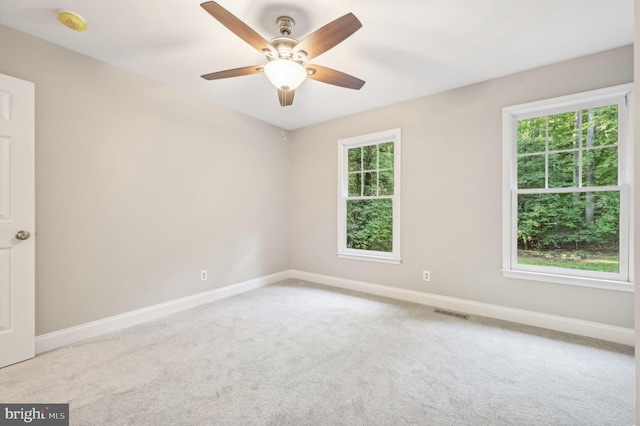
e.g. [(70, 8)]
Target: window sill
[(370, 258), (570, 280)]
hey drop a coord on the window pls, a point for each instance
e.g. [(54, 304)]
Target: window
[(566, 189), (369, 197)]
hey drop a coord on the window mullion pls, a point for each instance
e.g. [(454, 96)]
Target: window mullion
[(361, 170), (569, 189), (378, 169), (546, 153), (372, 197), (580, 124)]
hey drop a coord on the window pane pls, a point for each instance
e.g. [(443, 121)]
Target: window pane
[(355, 156), (572, 231), (370, 184), (369, 225), (386, 155), (562, 131), (370, 157), (355, 184), (386, 183), (600, 126), (563, 169), (531, 171), (600, 167), (532, 135)]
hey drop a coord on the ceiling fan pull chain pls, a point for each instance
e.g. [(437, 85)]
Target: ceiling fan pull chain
[(283, 131)]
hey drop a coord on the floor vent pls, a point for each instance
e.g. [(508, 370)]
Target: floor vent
[(451, 314)]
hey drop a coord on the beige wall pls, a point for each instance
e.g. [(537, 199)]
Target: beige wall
[(140, 186), (451, 192)]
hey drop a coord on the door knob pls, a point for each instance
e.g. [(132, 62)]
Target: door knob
[(23, 235)]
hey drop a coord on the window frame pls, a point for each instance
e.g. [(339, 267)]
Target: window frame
[(621, 95), (392, 135)]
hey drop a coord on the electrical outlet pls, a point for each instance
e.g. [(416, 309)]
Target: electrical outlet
[(426, 275), (203, 275)]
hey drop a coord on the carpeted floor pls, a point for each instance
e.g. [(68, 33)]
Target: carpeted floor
[(301, 354)]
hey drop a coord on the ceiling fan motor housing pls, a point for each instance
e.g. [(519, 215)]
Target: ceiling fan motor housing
[(284, 46)]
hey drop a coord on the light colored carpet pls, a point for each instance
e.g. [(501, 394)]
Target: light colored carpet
[(301, 354)]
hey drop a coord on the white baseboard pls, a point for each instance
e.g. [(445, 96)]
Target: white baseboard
[(56, 339), (625, 336)]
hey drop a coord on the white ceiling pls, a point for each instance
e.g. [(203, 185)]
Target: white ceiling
[(406, 48)]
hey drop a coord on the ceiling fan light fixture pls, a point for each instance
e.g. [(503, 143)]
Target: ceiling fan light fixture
[(285, 74)]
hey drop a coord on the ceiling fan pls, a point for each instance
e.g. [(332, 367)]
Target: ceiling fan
[(286, 67)]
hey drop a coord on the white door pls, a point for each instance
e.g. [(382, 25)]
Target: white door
[(17, 220)]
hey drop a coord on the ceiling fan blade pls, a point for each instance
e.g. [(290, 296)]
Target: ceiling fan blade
[(331, 76), (236, 72), (286, 98), (328, 36), (238, 27)]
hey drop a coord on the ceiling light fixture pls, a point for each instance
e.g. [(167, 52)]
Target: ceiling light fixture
[(285, 74), (72, 20)]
